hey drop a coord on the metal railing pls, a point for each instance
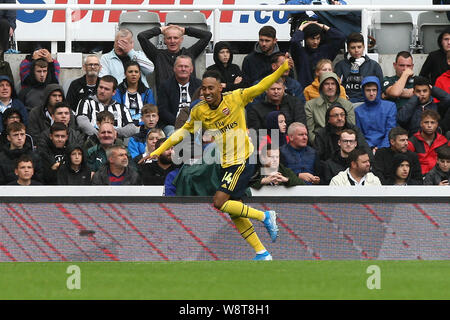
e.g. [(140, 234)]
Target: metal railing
[(217, 9)]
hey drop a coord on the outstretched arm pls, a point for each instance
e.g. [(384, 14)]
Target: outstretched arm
[(266, 82)]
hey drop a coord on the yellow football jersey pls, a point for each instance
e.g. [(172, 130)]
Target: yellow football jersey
[(226, 122)]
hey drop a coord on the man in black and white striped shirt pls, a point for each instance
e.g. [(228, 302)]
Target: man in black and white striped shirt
[(88, 108)]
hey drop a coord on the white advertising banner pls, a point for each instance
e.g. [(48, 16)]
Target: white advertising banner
[(100, 25)]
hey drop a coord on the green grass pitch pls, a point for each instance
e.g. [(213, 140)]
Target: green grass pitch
[(224, 280)]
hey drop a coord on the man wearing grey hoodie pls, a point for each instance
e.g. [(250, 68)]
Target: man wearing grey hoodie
[(316, 109)]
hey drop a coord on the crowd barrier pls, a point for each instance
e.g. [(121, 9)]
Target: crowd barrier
[(135, 224)]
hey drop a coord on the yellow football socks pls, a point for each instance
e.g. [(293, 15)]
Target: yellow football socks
[(247, 231), (238, 209)]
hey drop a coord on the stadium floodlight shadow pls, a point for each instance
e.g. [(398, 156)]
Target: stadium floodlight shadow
[(430, 24)]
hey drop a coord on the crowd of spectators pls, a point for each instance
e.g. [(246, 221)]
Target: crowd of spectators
[(327, 122)]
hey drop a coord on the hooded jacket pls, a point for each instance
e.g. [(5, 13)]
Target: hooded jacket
[(436, 62), (435, 176), (50, 155), (316, 109), (408, 116), (256, 65), (229, 72), (33, 94), (40, 118), (351, 76), (3, 135), (305, 58), (326, 141), (382, 166), (312, 91), (396, 161), (426, 153), (443, 82), (67, 176), (376, 118), (15, 103), (8, 162)]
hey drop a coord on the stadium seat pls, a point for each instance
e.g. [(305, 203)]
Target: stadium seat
[(430, 24), (393, 31), (190, 19), (138, 21)]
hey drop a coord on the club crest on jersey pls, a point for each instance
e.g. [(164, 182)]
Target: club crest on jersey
[(226, 111)]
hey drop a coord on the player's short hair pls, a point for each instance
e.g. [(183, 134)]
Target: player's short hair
[(24, 158), (355, 154), (212, 74), (124, 32), (322, 62), (349, 131), (443, 152), (421, 81), (59, 105), (183, 56), (397, 131), (41, 62), (403, 54), (103, 115), (58, 126), (110, 79), (293, 126), (355, 37), (132, 63), (149, 108), (274, 58), (268, 31), (433, 114), (113, 148), (14, 127)]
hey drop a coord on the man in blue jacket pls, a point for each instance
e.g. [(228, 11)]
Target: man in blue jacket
[(375, 117), (321, 42)]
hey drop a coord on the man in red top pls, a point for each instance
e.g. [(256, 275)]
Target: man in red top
[(425, 142)]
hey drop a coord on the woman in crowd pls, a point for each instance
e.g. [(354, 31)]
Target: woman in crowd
[(132, 92)]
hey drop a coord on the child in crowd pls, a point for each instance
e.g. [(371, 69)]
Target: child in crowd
[(24, 170), (153, 135), (74, 170), (312, 91), (149, 120), (440, 174)]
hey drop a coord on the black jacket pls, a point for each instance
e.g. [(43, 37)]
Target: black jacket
[(228, 73), (435, 176), (436, 62), (152, 174), (8, 163), (67, 176), (382, 166), (256, 65), (163, 59), (169, 99), (326, 141), (79, 90), (292, 107), (332, 167), (50, 155), (38, 121)]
